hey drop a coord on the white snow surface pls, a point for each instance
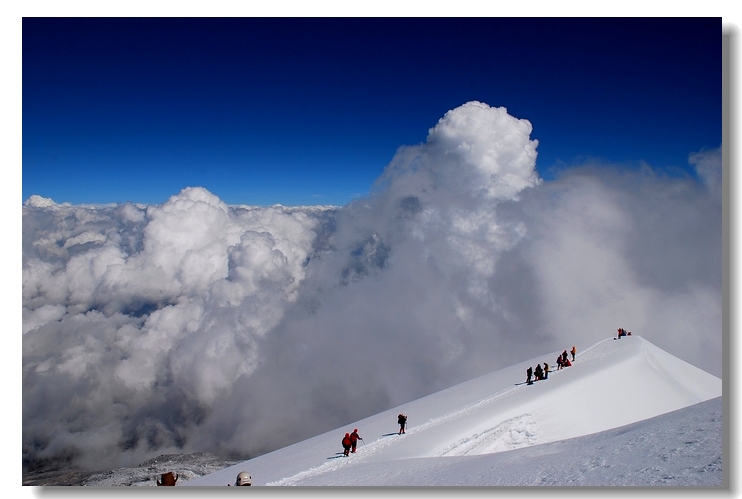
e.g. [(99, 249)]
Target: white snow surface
[(612, 418)]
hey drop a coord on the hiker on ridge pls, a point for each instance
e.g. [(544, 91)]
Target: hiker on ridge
[(354, 438), (539, 372), (401, 421), (529, 373), (573, 352)]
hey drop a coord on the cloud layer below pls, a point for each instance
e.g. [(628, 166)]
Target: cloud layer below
[(194, 325)]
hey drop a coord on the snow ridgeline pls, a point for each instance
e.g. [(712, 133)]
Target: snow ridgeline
[(611, 384)]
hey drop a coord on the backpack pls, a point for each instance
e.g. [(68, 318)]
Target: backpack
[(401, 418)]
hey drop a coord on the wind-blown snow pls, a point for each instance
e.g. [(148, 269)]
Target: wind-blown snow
[(493, 431)]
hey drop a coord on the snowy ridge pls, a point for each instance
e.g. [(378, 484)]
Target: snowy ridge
[(611, 384)]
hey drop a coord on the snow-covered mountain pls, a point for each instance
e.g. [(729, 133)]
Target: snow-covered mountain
[(625, 413)]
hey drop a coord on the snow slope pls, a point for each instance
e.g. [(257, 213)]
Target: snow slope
[(467, 427)]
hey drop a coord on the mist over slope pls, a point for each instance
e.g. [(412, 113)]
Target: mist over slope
[(494, 430), (198, 326)]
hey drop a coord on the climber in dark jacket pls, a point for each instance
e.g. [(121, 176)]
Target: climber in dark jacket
[(539, 372), (401, 421)]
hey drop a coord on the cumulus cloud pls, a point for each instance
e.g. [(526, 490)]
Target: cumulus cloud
[(138, 317), (194, 325)]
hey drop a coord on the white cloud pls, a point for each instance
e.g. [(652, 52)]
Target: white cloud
[(148, 305), (140, 321), (486, 148)]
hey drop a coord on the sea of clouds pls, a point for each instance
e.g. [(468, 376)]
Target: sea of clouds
[(198, 326)]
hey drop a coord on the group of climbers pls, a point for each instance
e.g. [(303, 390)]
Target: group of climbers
[(622, 332), (563, 359), (543, 372), (350, 442), (538, 374)]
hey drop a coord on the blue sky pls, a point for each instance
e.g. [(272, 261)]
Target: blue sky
[(310, 111)]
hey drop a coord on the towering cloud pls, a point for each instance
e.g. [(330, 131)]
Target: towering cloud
[(194, 325)]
